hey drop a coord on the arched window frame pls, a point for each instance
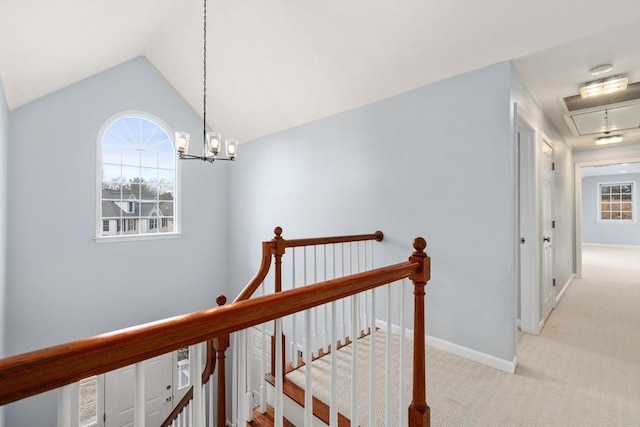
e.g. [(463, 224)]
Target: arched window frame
[(176, 233)]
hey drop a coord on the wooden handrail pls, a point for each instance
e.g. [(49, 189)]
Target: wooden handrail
[(38, 371), (277, 245)]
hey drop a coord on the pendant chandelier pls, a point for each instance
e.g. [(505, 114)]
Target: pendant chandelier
[(212, 141)]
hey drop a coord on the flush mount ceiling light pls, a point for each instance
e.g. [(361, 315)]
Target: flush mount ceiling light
[(601, 69), (613, 139), (212, 140), (604, 87)]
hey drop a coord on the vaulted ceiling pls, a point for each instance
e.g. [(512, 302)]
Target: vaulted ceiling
[(273, 65)]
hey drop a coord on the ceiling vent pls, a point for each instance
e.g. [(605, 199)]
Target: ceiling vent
[(607, 113)]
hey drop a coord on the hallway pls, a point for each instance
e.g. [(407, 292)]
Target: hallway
[(583, 370)]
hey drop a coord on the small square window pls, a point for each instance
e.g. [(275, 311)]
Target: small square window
[(105, 225), (616, 202)]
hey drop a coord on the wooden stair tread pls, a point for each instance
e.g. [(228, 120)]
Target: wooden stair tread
[(320, 409), (266, 419)]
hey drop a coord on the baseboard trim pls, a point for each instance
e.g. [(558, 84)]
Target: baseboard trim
[(609, 245), (458, 350), (564, 288)]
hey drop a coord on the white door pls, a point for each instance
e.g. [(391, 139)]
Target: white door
[(548, 289), (119, 393)]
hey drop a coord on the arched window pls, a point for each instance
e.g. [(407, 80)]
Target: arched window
[(137, 177)]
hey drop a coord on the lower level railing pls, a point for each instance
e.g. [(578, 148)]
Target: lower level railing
[(62, 366)]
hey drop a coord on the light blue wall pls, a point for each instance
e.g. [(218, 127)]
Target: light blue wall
[(4, 135), (61, 284), (594, 231), (433, 162)]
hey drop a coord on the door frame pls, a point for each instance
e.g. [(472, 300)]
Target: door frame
[(547, 141), (578, 203), (528, 224)]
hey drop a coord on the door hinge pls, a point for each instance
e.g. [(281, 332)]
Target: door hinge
[(554, 283), (104, 417), (553, 224), (553, 166)]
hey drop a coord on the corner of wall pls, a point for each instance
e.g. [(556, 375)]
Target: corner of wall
[(4, 136)]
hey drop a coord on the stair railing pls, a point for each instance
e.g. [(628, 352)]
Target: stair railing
[(310, 259), (28, 374)]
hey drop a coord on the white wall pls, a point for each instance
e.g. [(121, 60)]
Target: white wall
[(564, 234), (433, 162), (616, 152), (61, 284), (594, 231), (4, 132)]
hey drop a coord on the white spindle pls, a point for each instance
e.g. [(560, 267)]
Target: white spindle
[(403, 400), (139, 399), (373, 401), (263, 366), (333, 398), (248, 401), (325, 333), (387, 364), (308, 384), (278, 415), (314, 339), (211, 421), (242, 378), (66, 396), (234, 379), (294, 347), (354, 360), (344, 302), (195, 368)]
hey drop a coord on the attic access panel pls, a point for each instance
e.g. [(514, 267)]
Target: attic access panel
[(620, 118)]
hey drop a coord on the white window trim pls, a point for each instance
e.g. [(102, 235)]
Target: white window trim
[(634, 214), (177, 205)]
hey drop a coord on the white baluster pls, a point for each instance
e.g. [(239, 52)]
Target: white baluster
[(139, 398), (388, 364), (234, 378), (211, 421), (403, 400), (373, 401), (242, 378), (294, 347), (66, 396), (333, 398), (344, 302), (325, 333), (314, 339), (354, 360), (308, 385), (278, 415), (263, 368), (248, 405), (195, 366)]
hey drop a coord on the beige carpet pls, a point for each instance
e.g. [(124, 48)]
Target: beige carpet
[(583, 370)]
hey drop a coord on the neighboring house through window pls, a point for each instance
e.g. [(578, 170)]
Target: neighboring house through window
[(616, 202), (136, 177)]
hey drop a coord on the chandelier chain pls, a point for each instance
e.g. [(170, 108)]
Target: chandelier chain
[(204, 78)]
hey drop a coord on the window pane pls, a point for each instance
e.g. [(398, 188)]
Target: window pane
[(606, 189), (111, 172), (149, 192), (605, 215), (627, 215), (605, 198), (167, 176), (88, 402), (626, 207), (615, 197), (615, 207), (165, 191), (626, 197), (130, 173), (605, 207), (626, 189), (149, 159), (131, 157), (111, 155), (149, 175), (615, 189), (166, 160)]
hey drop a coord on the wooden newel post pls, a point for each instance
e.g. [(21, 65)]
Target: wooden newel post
[(220, 344), (419, 411), (277, 250)]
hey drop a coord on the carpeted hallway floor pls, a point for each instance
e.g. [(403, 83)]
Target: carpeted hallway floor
[(583, 370)]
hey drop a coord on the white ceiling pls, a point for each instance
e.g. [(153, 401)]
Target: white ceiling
[(615, 169), (274, 65)]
